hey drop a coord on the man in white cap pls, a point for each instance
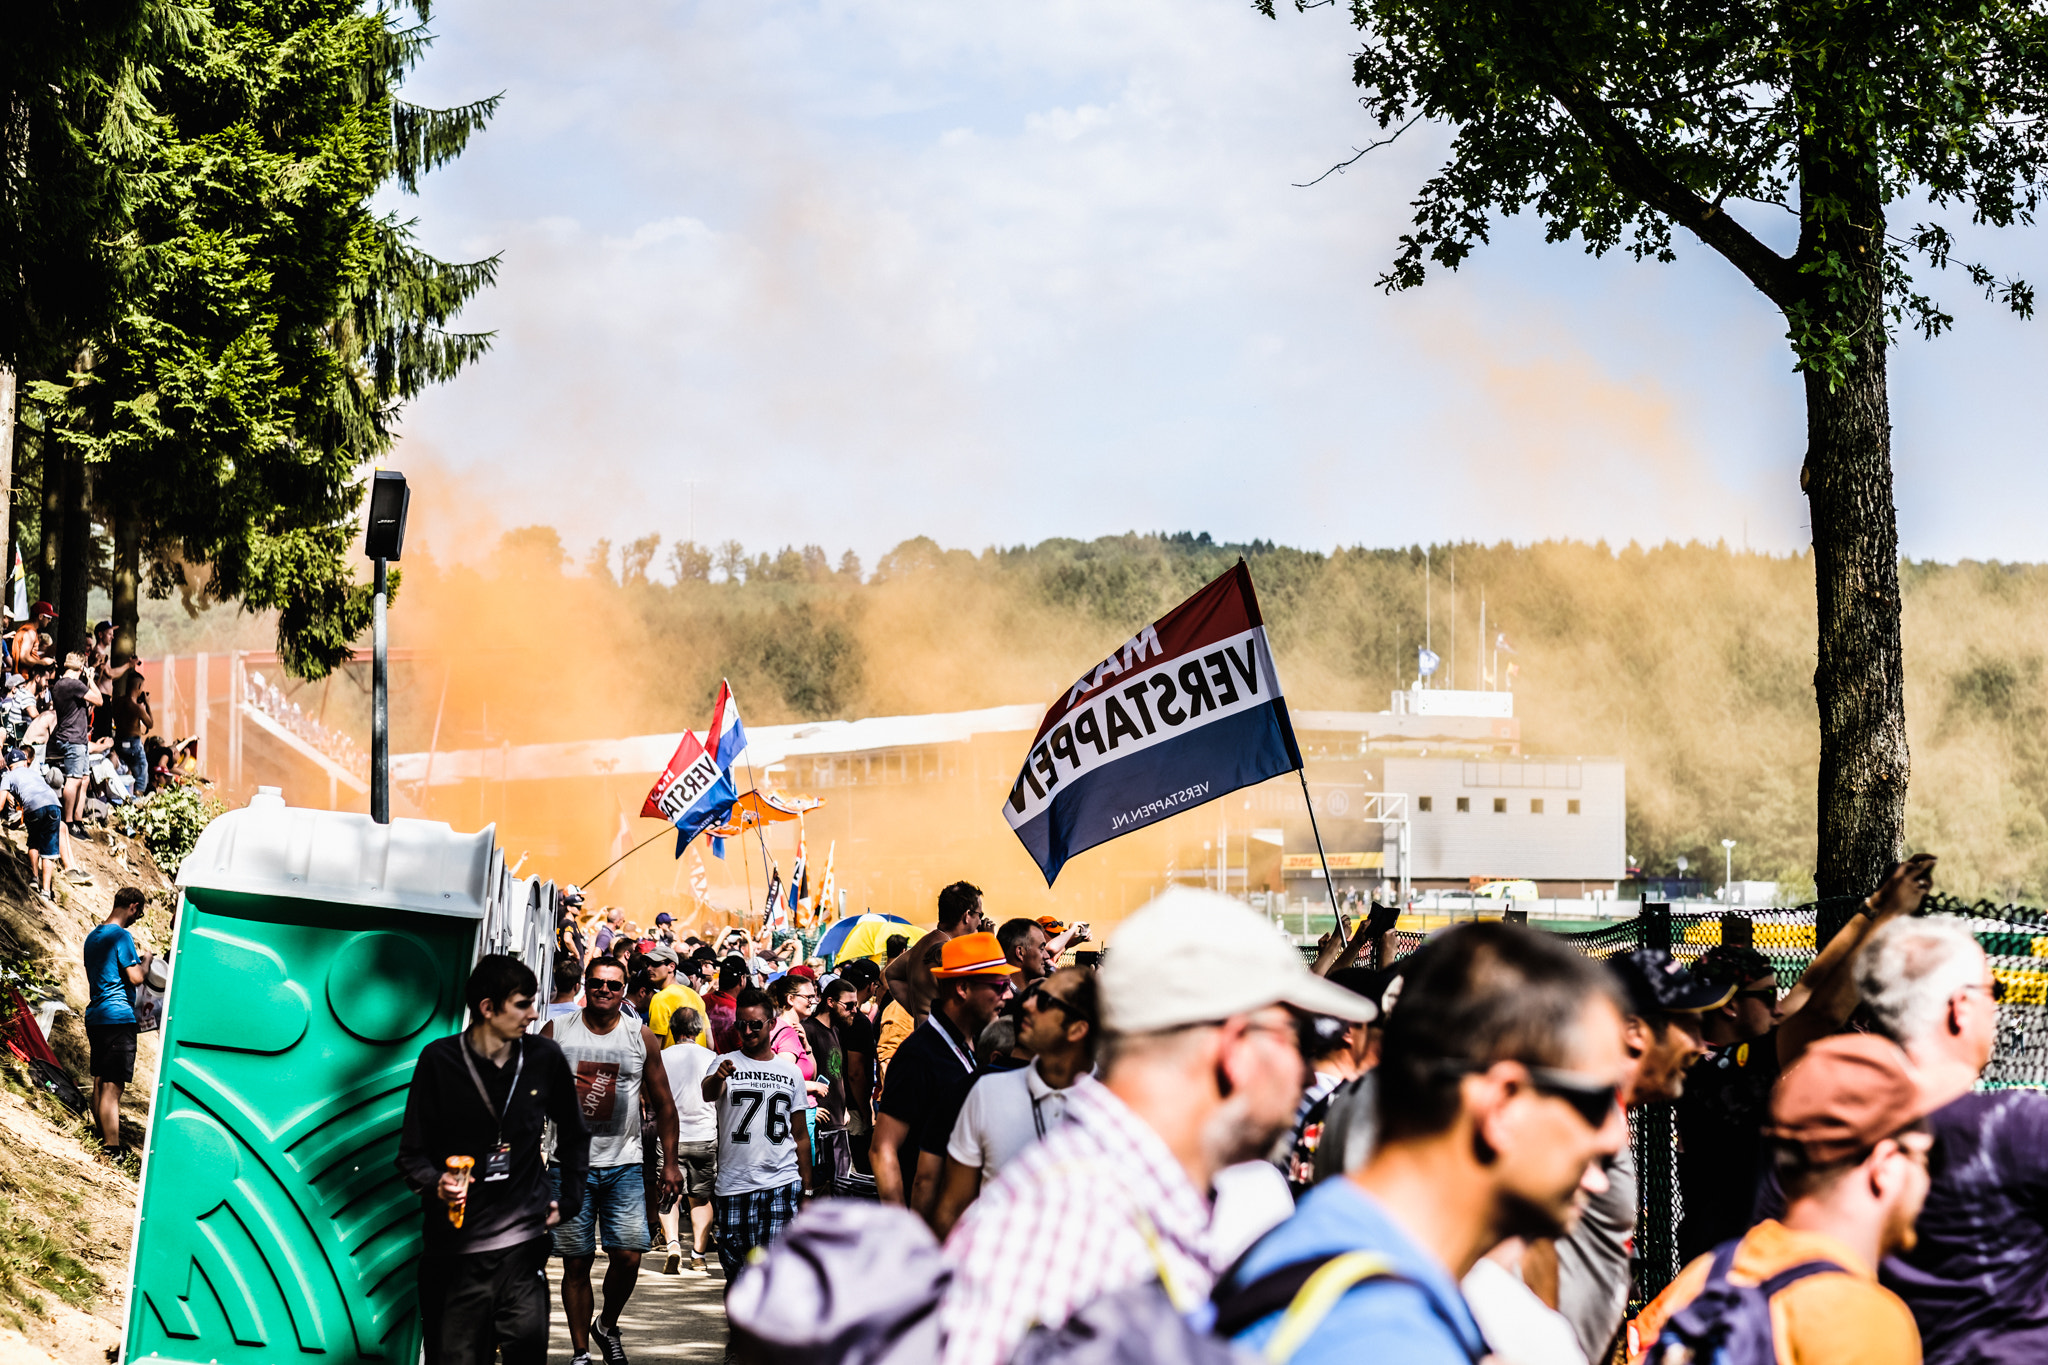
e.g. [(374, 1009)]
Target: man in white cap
[(1200, 1070)]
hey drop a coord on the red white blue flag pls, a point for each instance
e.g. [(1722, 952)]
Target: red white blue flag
[(1188, 710), (695, 792)]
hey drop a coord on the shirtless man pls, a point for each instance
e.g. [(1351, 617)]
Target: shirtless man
[(909, 977), (28, 641)]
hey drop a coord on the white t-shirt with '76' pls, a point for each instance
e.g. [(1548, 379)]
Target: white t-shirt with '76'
[(760, 1113)]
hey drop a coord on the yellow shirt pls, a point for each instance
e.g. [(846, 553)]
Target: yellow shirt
[(1825, 1319), (666, 1002)]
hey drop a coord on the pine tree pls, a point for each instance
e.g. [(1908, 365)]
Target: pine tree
[(272, 325)]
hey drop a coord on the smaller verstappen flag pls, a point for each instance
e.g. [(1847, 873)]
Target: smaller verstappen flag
[(771, 909), (1188, 710), (823, 909), (700, 884)]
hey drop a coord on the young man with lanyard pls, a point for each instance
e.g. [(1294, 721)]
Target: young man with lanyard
[(613, 1060), (930, 1073), (483, 1096), (1007, 1111), (764, 1151)]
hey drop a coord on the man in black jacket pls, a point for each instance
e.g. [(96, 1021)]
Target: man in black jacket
[(484, 1095)]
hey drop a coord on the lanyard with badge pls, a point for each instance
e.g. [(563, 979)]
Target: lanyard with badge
[(498, 1165), (966, 1061)]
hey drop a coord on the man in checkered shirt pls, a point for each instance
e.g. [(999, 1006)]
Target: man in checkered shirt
[(1200, 1071)]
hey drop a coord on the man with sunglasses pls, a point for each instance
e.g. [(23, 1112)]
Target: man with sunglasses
[(614, 1059), (1497, 1089), (1007, 1111), (1976, 1281), (929, 1075), (1721, 1116)]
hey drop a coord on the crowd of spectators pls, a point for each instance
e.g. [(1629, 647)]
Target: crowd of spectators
[(1198, 1132), (79, 743)]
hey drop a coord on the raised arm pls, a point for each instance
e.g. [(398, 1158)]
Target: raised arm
[(1826, 995)]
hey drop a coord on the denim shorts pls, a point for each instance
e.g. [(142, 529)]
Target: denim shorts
[(42, 826), (77, 760), (614, 1212)]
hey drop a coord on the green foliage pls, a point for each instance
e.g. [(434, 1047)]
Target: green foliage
[(270, 324), (1614, 120), (169, 821)]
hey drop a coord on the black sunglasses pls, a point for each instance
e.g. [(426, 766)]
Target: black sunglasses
[(1592, 1100), (750, 1025), (1039, 997), (601, 987)]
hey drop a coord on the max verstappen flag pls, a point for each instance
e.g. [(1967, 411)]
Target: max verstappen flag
[(1187, 711)]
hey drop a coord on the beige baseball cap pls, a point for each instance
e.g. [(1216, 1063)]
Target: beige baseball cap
[(1195, 957)]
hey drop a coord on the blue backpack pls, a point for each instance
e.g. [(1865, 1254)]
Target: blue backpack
[(1729, 1324)]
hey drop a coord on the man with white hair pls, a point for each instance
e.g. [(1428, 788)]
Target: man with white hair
[(1977, 1281), (1200, 1070)]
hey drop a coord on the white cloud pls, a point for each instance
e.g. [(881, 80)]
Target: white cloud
[(869, 269)]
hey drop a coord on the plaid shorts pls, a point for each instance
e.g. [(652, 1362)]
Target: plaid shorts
[(749, 1219)]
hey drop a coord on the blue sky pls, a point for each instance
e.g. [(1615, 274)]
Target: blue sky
[(863, 270)]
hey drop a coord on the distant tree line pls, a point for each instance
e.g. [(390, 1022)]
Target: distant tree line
[(1694, 663)]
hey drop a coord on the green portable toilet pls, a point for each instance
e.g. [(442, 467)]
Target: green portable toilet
[(316, 953)]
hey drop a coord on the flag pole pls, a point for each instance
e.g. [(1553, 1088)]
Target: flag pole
[(665, 829), (1329, 883)]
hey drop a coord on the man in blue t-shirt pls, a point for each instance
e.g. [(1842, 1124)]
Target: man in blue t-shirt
[(114, 969), (1497, 1090), (42, 814)]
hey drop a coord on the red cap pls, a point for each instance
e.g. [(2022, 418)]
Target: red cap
[(1847, 1094)]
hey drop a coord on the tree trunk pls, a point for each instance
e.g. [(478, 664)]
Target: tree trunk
[(127, 579), (50, 520), (8, 405), (1860, 681), (74, 576)]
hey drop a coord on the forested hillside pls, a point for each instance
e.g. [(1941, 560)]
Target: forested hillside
[(1693, 662)]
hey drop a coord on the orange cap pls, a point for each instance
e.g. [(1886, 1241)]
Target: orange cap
[(973, 955)]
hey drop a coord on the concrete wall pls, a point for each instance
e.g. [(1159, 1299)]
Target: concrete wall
[(1519, 819)]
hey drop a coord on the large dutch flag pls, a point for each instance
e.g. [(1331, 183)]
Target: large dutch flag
[(1188, 710)]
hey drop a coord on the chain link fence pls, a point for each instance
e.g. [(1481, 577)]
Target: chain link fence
[(2015, 938)]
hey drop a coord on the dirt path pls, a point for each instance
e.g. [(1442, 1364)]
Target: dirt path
[(669, 1317)]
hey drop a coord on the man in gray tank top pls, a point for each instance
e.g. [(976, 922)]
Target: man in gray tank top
[(610, 1058)]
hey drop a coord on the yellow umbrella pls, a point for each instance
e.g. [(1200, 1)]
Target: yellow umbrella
[(872, 940)]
